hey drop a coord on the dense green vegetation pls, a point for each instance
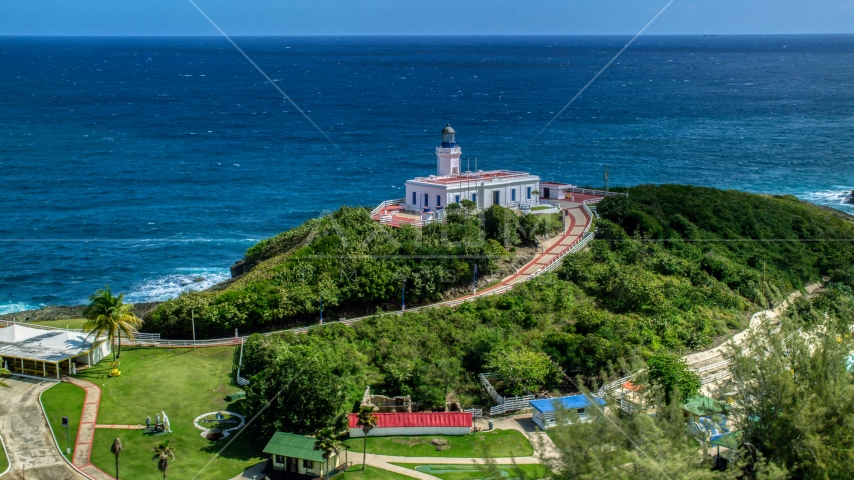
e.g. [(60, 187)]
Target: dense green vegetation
[(667, 277), (498, 443), (350, 262), (791, 388), (794, 398), (64, 400)]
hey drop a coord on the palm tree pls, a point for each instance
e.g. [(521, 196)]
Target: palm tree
[(162, 453), (536, 194), (326, 442), (367, 420), (117, 449), (3, 371), (108, 314)]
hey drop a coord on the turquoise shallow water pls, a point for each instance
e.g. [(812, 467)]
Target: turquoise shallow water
[(151, 164)]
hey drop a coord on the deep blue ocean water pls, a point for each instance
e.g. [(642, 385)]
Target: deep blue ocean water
[(145, 163)]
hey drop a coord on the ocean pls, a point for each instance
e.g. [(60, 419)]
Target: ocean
[(152, 164)]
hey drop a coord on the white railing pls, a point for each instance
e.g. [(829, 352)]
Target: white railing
[(484, 380), (8, 323), (216, 342), (512, 404), (475, 412), (587, 191), (387, 203), (604, 389)]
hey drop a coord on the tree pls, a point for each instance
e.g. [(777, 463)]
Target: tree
[(669, 375), (308, 393), (522, 371), (536, 194), (468, 206), (644, 447), (501, 224), (162, 453), (794, 385), (108, 314), (367, 420), (116, 449), (326, 442)]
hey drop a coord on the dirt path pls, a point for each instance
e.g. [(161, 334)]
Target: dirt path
[(32, 452)]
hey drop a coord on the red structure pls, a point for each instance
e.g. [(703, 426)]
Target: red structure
[(420, 423)]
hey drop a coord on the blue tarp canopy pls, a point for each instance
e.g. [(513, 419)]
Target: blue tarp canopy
[(570, 402)]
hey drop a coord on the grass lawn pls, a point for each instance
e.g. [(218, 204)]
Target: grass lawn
[(500, 443), (74, 323), (4, 461), (184, 383), (64, 400), (371, 473), (481, 472)]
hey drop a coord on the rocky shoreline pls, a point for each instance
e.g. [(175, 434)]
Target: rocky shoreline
[(66, 312)]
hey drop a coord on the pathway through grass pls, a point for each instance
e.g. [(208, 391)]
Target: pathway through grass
[(184, 383), (499, 443), (481, 472), (372, 473)]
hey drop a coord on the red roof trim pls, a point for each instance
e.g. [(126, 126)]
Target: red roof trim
[(420, 419)]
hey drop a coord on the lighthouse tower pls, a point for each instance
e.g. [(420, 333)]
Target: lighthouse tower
[(448, 154)]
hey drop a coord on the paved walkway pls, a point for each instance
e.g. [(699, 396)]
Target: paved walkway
[(713, 367), (86, 431), (32, 452)]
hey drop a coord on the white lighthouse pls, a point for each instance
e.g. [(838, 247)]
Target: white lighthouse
[(448, 154), (425, 196)]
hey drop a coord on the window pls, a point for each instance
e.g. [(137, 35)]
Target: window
[(474, 197), (414, 201), (527, 193), (308, 464), (438, 200), (280, 459), (580, 411), (457, 199), (513, 195), (426, 199)]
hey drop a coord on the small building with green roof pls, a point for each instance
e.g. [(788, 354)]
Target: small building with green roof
[(296, 455), (702, 406)]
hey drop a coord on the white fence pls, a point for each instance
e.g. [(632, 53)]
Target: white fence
[(7, 323), (601, 193), (512, 404), (387, 203), (475, 412), (505, 404)]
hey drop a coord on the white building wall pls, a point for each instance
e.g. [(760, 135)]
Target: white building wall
[(483, 190), (410, 431)]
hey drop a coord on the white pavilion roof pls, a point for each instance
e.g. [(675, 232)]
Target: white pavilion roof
[(43, 345)]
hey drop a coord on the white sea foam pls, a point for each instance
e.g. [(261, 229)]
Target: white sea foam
[(837, 198), (172, 285), (13, 307)]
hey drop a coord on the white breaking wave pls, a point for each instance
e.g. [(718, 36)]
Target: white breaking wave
[(14, 307), (836, 198), (171, 286)]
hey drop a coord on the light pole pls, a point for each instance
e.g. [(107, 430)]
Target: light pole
[(321, 310), (193, 321), (474, 282), (403, 295), (67, 435)]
